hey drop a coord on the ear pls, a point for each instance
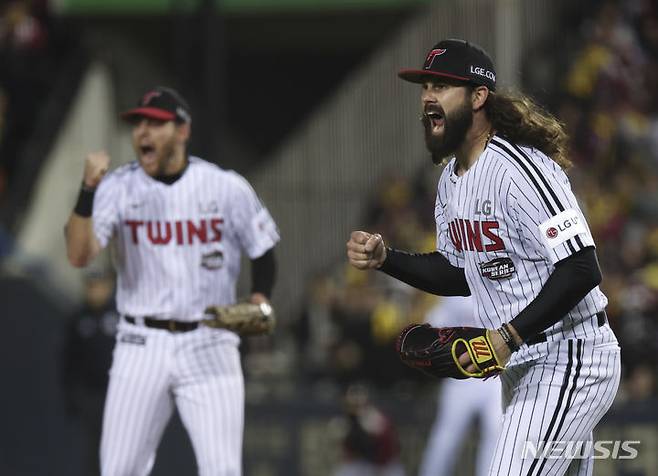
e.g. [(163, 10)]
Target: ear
[(479, 97), (183, 131)]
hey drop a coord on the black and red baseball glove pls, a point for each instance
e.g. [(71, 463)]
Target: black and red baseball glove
[(436, 351)]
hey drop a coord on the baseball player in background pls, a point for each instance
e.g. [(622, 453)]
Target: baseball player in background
[(460, 402), (511, 234), (177, 225)]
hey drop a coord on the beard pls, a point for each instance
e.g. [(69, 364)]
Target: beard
[(455, 127), (165, 154), (168, 156)]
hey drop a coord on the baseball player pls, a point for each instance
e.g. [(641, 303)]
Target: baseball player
[(459, 403), (177, 225), (511, 234)]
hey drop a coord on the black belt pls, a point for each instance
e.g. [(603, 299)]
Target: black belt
[(169, 325), (601, 319)]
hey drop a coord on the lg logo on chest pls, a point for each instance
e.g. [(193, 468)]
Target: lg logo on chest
[(483, 208)]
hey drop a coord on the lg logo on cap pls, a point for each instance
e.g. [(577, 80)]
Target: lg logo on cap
[(480, 71)]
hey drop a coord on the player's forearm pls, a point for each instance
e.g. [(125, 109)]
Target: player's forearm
[(430, 272), (572, 279), (263, 274), (81, 243)]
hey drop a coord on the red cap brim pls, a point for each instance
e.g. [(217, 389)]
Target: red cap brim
[(422, 75), (150, 112)]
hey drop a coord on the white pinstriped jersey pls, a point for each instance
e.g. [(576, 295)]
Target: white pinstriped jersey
[(177, 247), (507, 221)]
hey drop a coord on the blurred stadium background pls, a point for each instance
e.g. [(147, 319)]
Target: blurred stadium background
[(301, 96)]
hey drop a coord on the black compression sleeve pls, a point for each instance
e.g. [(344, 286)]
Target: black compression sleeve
[(263, 273), (431, 272), (569, 283)]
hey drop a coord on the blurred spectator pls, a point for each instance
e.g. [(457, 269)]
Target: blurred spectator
[(316, 331), (7, 245), (641, 383), (351, 319), (25, 74), (370, 443), (87, 356)]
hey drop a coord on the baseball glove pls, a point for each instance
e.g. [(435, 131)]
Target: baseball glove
[(436, 351), (243, 318)]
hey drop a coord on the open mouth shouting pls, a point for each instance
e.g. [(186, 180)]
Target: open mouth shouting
[(147, 153), (435, 118)]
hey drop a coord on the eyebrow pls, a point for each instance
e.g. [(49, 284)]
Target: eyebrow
[(446, 82)]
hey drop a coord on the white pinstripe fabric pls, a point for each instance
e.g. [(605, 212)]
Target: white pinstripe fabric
[(560, 389), (559, 395), (199, 372), (524, 188), (164, 235), (177, 251)]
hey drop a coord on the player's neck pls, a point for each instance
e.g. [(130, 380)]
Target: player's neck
[(476, 141), (174, 170), (176, 165)]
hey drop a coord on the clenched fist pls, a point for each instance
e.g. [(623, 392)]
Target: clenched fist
[(96, 166), (365, 250)]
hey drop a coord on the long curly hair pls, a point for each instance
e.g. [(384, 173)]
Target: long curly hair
[(519, 119)]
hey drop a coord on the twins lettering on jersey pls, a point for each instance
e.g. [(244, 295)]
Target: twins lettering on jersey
[(182, 232), (475, 235), (468, 234)]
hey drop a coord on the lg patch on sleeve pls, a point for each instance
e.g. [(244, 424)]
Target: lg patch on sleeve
[(562, 227)]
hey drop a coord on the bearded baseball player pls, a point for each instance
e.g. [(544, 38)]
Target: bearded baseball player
[(177, 225), (511, 234)]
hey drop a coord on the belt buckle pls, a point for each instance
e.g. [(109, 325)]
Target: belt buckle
[(172, 326)]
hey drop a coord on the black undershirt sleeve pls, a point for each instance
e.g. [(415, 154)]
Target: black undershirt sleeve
[(430, 272), (569, 283), (263, 273)]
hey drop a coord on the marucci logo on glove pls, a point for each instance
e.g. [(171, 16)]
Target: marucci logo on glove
[(480, 349)]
